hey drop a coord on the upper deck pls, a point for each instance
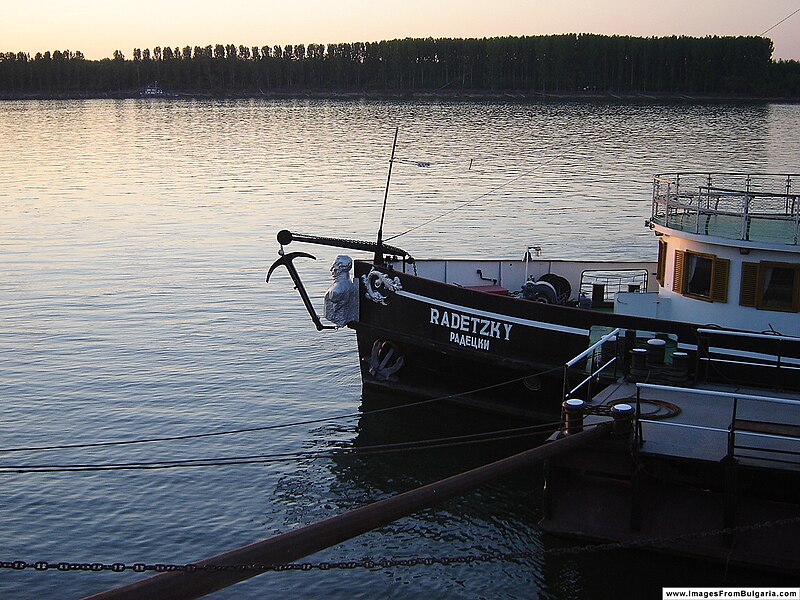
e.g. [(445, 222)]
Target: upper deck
[(751, 209)]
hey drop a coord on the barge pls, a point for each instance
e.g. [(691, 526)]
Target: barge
[(706, 466)]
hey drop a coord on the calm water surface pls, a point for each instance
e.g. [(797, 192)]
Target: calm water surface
[(134, 239)]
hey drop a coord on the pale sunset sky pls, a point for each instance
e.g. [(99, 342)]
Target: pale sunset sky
[(98, 27)]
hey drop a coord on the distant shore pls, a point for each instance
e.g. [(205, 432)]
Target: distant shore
[(466, 95)]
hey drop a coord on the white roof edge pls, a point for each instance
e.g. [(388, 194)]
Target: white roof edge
[(720, 241)]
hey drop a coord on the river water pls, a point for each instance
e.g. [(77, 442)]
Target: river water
[(134, 240)]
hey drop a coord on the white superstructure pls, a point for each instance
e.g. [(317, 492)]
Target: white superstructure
[(728, 252)]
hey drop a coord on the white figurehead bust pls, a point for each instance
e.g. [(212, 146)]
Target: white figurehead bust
[(341, 299)]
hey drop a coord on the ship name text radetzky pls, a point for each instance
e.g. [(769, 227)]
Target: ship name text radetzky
[(465, 327)]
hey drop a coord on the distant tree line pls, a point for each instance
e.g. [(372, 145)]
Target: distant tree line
[(549, 64)]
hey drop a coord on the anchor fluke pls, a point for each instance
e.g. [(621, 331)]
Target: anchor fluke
[(286, 260)]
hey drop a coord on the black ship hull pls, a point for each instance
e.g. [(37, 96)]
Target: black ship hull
[(428, 339)]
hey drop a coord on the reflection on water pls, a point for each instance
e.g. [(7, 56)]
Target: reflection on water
[(134, 240)]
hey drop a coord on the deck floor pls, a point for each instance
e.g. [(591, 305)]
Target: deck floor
[(700, 430)]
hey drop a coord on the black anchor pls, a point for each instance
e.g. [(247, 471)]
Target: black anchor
[(286, 260)]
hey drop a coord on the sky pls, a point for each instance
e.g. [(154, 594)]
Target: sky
[(98, 27)]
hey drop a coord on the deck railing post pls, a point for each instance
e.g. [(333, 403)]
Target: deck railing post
[(701, 358), (592, 362), (638, 436), (796, 210), (630, 344), (697, 210), (730, 476), (732, 431), (746, 218)]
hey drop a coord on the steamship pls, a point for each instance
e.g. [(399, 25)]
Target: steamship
[(498, 334)]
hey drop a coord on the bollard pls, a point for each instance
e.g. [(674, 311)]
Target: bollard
[(623, 419), (638, 370), (656, 349), (573, 415), (630, 339), (639, 358), (680, 361), (598, 294), (678, 373), (630, 344)]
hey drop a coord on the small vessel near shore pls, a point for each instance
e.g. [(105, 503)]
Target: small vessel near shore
[(497, 334), (154, 91)]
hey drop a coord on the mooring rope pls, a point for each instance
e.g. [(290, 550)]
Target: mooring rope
[(373, 449), (278, 425)]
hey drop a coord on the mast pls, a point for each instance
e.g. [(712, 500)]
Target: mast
[(379, 249)]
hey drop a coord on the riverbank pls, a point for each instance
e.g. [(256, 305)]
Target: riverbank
[(416, 95)]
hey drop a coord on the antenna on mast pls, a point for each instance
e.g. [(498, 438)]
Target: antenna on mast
[(379, 250)]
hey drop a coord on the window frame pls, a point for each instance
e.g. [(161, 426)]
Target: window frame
[(719, 279), (752, 285)]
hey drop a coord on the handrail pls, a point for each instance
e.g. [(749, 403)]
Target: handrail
[(733, 192), (719, 394), (590, 377), (592, 372), (592, 348), (732, 430), (764, 336), (696, 195), (663, 176), (777, 352)]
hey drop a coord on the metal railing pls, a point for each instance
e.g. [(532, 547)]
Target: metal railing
[(735, 356), (784, 436), (607, 284), (593, 355), (750, 208), (787, 435)]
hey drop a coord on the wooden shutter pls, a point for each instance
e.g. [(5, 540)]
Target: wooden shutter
[(662, 260), (719, 280), (678, 273), (749, 287)]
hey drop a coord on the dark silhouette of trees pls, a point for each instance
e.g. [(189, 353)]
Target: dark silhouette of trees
[(556, 64)]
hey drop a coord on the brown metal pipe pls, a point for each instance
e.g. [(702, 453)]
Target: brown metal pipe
[(293, 545)]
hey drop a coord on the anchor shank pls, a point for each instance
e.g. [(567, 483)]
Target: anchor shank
[(286, 260)]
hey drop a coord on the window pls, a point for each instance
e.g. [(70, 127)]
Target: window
[(698, 275), (702, 276), (771, 286)]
